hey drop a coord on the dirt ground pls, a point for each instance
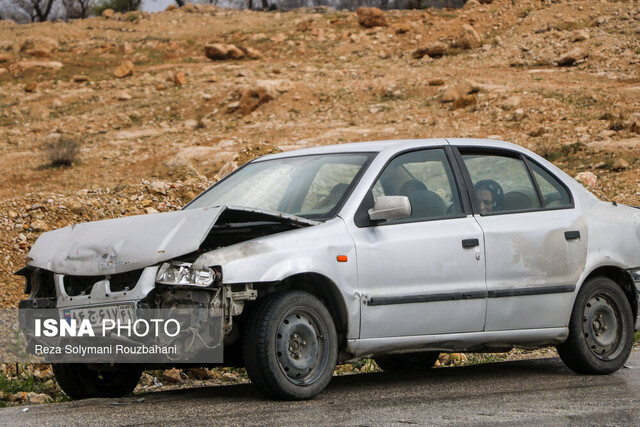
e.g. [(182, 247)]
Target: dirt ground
[(561, 78)]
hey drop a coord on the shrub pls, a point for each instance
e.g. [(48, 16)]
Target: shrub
[(618, 122), (63, 152)]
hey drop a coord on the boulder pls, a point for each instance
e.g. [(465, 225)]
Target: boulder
[(201, 373), (157, 187), (181, 169), (464, 101), (437, 49), (470, 4), (573, 56), (38, 225), (124, 70), (221, 51), (251, 52), (80, 78), (371, 17), (263, 91), (39, 46), (171, 376), (31, 397), (469, 38), (254, 96), (30, 87), (458, 91), (402, 28), (437, 81), (579, 35), (27, 65), (511, 103), (537, 131), (108, 13), (620, 165), (179, 79), (434, 50), (123, 96), (588, 179), (635, 126)]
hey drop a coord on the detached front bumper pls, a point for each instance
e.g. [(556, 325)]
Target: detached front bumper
[(115, 322)]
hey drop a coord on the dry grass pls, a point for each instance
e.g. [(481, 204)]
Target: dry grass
[(62, 153)]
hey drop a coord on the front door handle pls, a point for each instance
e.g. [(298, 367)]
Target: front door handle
[(470, 243), (572, 235)]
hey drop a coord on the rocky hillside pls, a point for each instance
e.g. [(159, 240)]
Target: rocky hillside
[(148, 108)]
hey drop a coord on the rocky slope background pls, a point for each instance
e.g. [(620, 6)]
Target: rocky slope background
[(136, 113)]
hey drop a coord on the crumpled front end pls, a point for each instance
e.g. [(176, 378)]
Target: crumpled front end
[(129, 267)]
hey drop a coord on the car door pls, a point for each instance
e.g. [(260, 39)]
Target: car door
[(423, 274), (535, 239)]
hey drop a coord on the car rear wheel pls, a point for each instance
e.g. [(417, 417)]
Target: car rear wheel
[(290, 346), (83, 381), (600, 329), (408, 362)]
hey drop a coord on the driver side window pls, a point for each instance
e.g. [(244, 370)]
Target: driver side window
[(425, 177)]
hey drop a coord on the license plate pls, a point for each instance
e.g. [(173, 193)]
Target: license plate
[(120, 313)]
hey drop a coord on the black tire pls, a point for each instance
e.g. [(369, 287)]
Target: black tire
[(600, 329), (290, 346), (81, 381), (422, 361)]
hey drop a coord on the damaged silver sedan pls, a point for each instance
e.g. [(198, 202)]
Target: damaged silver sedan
[(395, 250)]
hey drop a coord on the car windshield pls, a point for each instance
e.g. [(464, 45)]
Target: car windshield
[(312, 186)]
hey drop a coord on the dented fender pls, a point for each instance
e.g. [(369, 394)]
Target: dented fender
[(307, 250), (614, 234)]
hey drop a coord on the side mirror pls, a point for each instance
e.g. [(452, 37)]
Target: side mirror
[(388, 208)]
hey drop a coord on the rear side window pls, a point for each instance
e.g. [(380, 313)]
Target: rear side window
[(554, 194), (501, 183)]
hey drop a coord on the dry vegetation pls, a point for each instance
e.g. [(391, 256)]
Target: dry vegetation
[(559, 77)]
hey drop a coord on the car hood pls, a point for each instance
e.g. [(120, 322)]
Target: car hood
[(130, 243)]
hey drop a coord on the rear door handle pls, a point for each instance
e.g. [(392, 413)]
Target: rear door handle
[(572, 235), (470, 243)]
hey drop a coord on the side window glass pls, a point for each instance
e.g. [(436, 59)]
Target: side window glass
[(554, 194), (328, 187), (501, 183), (425, 177)]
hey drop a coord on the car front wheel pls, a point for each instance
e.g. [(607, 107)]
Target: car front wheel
[(600, 329), (83, 381), (290, 346)]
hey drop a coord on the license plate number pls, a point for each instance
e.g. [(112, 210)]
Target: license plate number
[(121, 313)]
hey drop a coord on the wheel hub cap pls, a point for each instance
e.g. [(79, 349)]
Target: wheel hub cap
[(601, 327), (297, 346)]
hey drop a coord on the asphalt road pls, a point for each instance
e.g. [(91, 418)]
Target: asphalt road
[(540, 392)]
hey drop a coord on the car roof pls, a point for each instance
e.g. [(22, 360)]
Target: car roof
[(390, 145)]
